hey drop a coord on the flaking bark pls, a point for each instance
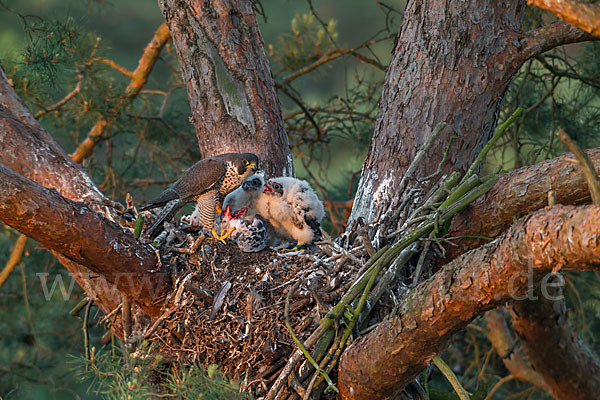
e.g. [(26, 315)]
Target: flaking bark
[(383, 361), (516, 194), (232, 94), (450, 64), (84, 237)]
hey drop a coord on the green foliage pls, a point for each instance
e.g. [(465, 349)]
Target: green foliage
[(558, 89), (35, 334), (117, 375)]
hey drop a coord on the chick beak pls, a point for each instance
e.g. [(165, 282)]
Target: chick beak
[(226, 212), (268, 189)]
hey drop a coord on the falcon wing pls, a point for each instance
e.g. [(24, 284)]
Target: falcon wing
[(200, 178)]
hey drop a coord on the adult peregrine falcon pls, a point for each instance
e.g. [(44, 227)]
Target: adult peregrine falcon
[(292, 208), (207, 183)]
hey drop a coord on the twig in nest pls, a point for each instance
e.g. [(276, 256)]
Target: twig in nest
[(126, 317), (159, 321), (297, 341), (421, 262), (110, 314), (84, 328), (198, 292)]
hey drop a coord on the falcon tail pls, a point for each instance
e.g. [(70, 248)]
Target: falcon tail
[(168, 212), (161, 200)]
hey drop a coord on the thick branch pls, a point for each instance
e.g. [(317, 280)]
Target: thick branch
[(577, 13), (25, 147), (31, 152), (571, 370), (518, 193), (382, 362), (84, 237), (232, 94), (546, 38)]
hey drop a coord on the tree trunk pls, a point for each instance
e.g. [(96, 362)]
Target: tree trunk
[(232, 94), (449, 65), (27, 149), (84, 237)]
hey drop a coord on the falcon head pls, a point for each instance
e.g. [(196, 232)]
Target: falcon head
[(245, 163), (273, 188)]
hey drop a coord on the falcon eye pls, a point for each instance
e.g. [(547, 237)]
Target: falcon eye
[(246, 162)]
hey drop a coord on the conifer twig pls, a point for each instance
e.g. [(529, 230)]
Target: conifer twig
[(14, 259), (297, 341), (449, 374), (497, 135), (586, 166)]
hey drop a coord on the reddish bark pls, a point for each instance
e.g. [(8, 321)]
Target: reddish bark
[(382, 362), (578, 13), (516, 194), (501, 338), (232, 94), (569, 367), (84, 237), (449, 65), (31, 152)]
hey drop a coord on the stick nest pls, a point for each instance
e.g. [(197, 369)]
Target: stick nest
[(247, 336)]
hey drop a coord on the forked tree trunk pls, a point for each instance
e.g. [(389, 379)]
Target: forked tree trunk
[(452, 63), (232, 94)]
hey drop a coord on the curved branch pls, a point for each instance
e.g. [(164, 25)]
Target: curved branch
[(84, 237), (382, 362), (139, 77), (518, 193), (577, 13), (572, 371), (499, 335), (546, 38)]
